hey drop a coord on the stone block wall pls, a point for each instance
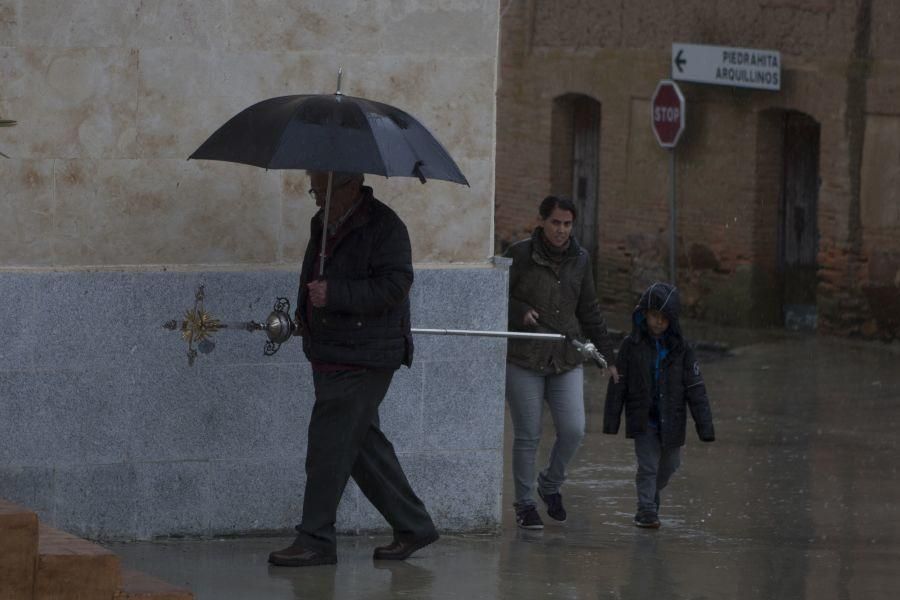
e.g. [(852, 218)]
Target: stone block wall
[(107, 433)]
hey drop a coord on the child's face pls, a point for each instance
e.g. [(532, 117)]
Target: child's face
[(657, 322)]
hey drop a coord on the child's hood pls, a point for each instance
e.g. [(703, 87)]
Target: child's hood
[(663, 297)]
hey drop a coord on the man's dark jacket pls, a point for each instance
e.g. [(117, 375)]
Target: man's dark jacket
[(365, 321), (680, 383), (562, 292)]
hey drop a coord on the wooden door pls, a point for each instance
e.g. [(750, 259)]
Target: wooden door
[(799, 230), (586, 171)]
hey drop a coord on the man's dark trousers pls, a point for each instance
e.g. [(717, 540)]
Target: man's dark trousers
[(345, 439)]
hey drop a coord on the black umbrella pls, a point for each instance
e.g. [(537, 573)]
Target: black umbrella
[(331, 132)]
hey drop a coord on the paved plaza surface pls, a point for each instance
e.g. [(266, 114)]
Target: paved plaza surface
[(797, 498)]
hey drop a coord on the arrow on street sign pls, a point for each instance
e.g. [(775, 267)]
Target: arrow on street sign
[(679, 61)]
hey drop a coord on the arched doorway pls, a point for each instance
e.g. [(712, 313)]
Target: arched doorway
[(575, 161), (799, 231), (786, 233)]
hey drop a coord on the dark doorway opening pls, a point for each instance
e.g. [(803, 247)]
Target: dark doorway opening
[(575, 161), (799, 232)]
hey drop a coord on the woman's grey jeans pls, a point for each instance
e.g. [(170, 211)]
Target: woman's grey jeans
[(526, 392)]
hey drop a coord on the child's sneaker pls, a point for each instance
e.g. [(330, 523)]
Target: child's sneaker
[(554, 506), (647, 519), (528, 518)]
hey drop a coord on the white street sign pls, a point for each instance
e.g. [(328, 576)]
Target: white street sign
[(722, 65)]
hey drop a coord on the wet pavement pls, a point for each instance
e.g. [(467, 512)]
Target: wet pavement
[(797, 498)]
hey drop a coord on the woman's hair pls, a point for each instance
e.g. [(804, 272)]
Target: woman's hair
[(551, 202)]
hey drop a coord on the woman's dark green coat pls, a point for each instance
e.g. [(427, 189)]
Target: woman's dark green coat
[(562, 292)]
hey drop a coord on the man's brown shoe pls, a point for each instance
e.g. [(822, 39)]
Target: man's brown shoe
[(298, 556), (401, 550)]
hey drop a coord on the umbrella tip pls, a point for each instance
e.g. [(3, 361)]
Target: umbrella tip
[(340, 73), (417, 171)]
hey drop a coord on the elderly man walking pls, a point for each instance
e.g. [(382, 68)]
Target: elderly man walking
[(354, 319)]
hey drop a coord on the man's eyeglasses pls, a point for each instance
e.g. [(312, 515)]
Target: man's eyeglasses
[(335, 186)]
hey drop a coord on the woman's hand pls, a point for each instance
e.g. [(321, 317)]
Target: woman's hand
[(531, 317), (613, 373)]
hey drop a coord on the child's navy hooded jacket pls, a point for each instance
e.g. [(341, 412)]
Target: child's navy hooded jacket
[(678, 380)]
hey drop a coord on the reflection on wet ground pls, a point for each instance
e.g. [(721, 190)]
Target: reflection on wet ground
[(798, 498)]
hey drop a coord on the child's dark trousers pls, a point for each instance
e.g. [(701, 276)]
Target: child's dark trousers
[(656, 464)]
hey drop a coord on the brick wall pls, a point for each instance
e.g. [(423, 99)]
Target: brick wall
[(839, 67)]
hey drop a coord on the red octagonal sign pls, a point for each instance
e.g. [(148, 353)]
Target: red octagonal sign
[(667, 113)]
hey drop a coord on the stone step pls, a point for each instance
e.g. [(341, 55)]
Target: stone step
[(18, 551), (38, 562), (70, 568), (140, 586)]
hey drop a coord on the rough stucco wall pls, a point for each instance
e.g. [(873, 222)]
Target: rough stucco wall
[(881, 174), (880, 207), (840, 66), (885, 42), (111, 96)]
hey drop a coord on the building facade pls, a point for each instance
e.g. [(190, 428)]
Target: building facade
[(787, 201), (107, 232)]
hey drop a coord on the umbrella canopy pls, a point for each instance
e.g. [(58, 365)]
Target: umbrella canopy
[(331, 132)]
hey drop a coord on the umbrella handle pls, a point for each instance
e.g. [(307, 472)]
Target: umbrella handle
[(325, 226)]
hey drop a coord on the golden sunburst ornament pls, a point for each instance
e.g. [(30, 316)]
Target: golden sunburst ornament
[(199, 325)]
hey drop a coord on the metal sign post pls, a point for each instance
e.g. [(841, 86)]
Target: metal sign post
[(672, 217), (667, 117)]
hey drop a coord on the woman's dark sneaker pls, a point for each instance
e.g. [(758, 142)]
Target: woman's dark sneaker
[(528, 518), (554, 506), (646, 518)]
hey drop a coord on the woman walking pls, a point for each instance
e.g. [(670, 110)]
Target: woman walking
[(551, 289)]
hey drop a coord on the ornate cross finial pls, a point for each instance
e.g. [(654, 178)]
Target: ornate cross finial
[(198, 325)]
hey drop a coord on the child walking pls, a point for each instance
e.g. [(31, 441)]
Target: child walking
[(659, 379)]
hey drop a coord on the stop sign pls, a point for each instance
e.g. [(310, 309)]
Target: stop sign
[(667, 113)]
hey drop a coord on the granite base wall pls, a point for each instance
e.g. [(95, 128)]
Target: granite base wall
[(108, 433)]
